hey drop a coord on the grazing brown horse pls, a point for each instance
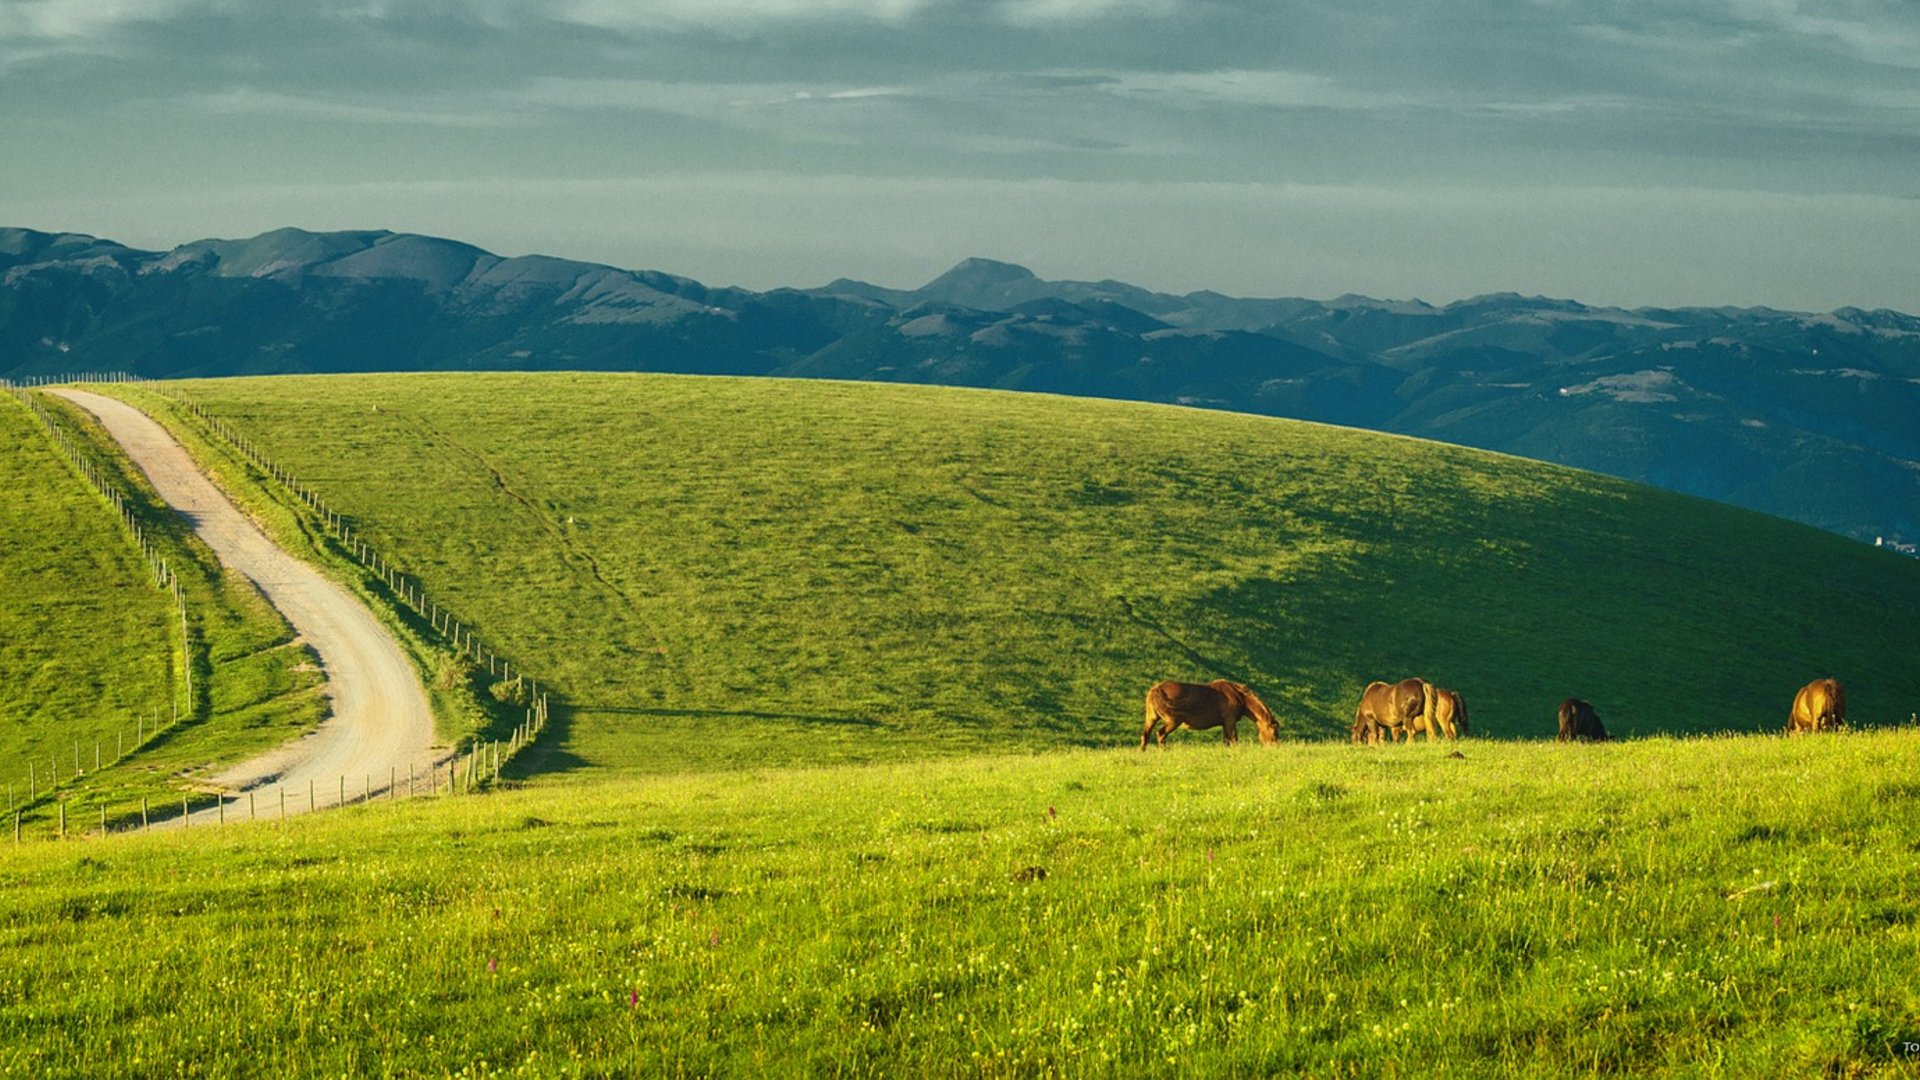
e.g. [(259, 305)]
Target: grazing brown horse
[(1195, 706), (1387, 710), (1579, 723), (1373, 703), (1821, 705), (1446, 713)]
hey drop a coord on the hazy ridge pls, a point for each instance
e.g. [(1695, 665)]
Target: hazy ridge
[(1808, 416)]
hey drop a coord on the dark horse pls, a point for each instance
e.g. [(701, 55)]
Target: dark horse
[(1579, 723), (1218, 704)]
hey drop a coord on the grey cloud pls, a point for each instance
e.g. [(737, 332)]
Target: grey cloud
[(1766, 95)]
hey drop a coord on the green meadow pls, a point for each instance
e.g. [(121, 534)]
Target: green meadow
[(724, 573), (90, 648), (1741, 906)]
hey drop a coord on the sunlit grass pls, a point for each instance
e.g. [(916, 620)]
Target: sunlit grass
[(1733, 905)]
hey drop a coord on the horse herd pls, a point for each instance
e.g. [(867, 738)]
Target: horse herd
[(1393, 711)]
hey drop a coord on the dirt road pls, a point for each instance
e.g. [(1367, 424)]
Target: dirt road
[(380, 725)]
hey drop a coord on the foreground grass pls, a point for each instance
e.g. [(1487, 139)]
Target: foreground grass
[(89, 647), (1746, 906), (731, 572)]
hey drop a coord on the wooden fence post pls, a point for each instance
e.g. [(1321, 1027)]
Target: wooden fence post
[(143, 813), (186, 815)]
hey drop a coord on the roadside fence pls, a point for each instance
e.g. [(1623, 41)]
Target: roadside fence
[(79, 816), (484, 760)]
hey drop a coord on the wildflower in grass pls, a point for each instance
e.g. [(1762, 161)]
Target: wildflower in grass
[(1052, 813), (633, 999)]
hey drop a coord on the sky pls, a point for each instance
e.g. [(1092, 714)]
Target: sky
[(1630, 152)]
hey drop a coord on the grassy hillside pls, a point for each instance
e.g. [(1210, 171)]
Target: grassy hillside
[(89, 648), (722, 572), (1737, 906), (84, 635)]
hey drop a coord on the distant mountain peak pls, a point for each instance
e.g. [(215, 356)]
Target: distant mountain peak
[(994, 269), (985, 284)]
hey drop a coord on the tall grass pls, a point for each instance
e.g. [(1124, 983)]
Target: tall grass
[(1740, 906)]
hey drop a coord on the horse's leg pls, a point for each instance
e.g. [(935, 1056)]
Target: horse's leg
[(1145, 731), (1230, 730)]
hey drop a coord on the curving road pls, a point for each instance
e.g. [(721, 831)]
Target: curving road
[(380, 724)]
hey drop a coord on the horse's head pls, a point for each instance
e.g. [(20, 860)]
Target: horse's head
[(1263, 719)]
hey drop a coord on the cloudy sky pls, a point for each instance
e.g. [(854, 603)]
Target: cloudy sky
[(1618, 151)]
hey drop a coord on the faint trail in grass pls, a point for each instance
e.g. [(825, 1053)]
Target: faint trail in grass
[(1133, 613), (1206, 664), (569, 550)]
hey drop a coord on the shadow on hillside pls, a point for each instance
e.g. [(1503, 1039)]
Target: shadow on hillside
[(547, 754), (738, 714)]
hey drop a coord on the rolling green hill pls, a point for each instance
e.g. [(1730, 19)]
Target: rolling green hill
[(723, 572)]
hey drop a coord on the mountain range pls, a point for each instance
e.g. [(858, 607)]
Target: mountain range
[(1809, 416)]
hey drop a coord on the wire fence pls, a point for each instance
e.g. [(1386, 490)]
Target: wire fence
[(51, 782), (481, 763), (403, 588), (463, 774)]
